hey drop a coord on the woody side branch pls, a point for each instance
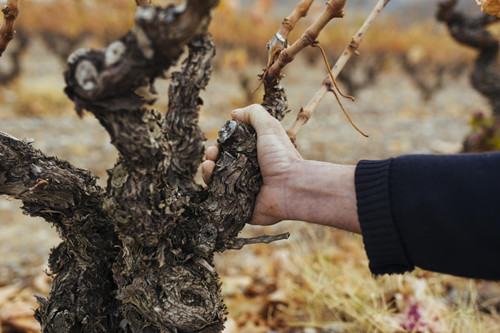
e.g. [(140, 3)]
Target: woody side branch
[(289, 22), (274, 47), (333, 8), (470, 30), (181, 120), (352, 48), (10, 12), (280, 41), (70, 200), (120, 77)]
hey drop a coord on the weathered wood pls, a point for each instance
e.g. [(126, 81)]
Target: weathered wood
[(145, 245), (82, 294), (471, 30)]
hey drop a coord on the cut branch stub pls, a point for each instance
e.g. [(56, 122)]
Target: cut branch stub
[(108, 79), (333, 8)]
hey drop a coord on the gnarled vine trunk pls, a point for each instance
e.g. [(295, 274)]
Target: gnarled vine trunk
[(138, 255), (470, 30)]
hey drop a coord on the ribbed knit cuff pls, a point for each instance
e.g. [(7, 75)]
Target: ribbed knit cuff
[(383, 244)]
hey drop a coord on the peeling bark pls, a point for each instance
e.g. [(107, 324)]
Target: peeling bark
[(138, 256), (82, 292)]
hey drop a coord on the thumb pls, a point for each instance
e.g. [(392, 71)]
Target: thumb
[(259, 118)]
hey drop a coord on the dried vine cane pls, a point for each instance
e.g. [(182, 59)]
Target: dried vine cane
[(306, 112), (318, 45), (280, 40)]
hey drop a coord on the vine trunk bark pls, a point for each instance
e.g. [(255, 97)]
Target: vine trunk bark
[(138, 255)]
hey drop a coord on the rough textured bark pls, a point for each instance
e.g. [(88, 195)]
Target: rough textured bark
[(138, 256), (82, 293), (471, 30)]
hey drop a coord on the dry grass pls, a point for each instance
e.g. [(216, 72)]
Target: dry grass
[(320, 280)]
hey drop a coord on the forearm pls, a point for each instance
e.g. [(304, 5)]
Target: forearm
[(322, 193)]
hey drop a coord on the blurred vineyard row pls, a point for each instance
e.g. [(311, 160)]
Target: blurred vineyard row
[(422, 50)]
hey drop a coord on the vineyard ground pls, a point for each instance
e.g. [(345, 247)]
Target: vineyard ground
[(283, 285)]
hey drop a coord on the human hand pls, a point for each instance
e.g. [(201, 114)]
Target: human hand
[(276, 156)]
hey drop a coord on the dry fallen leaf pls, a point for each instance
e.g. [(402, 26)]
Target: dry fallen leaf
[(491, 7), (7, 292), (17, 314)]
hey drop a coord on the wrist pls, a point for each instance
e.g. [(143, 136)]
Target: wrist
[(322, 193)]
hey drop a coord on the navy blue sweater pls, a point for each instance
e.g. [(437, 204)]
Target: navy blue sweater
[(440, 213)]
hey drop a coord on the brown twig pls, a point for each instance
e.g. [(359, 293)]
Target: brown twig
[(337, 89), (31, 189), (318, 45), (326, 86), (10, 12), (238, 243), (280, 40), (333, 8), (289, 22)]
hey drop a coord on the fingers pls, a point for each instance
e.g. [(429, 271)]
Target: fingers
[(207, 168), (211, 153), (259, 118)]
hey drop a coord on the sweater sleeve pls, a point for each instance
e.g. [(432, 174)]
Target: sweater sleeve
[(437, 212)]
